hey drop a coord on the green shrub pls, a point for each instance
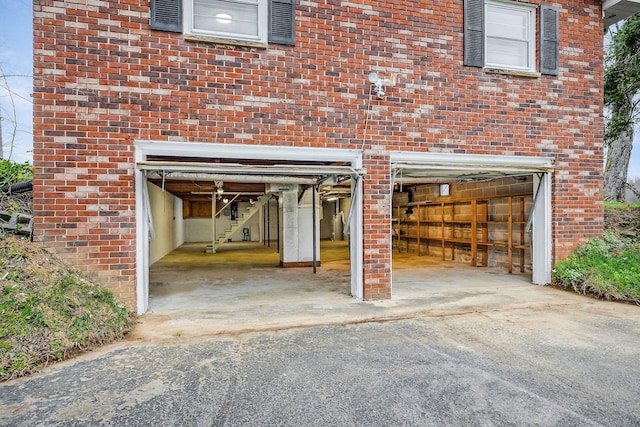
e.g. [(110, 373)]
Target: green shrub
[(607, 267), (11, 173)]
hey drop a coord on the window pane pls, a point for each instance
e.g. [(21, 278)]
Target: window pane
[(510, 53), (509, 36), (226, 16), (511, 24)]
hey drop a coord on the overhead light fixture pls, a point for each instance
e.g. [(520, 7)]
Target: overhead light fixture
[(379, 84), (219, 190), (224, 18), (225, 200)]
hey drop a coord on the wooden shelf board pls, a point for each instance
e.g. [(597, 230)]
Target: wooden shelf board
[(446, 216), (447, 240), (497, 244)]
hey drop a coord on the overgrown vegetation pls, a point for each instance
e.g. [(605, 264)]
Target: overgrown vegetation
[(607, 267), (14, 173), (48, 311)]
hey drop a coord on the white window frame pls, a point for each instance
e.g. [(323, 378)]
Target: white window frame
[(531, 42), (263, 20)]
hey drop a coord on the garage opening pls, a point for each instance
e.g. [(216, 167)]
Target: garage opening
[(218, 210), (463, 221)]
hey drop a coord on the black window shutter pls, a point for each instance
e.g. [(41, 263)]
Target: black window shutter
[(166, 15), (474, 33), (282, 21), (549, 37)]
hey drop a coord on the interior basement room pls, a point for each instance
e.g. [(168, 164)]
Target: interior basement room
[(261, 247), (443, 234), (455, 231)]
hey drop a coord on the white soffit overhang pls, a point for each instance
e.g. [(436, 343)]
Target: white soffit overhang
[(618, 10), (410, 167)]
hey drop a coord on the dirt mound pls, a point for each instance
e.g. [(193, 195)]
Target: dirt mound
[(623, 219), (49, 311)]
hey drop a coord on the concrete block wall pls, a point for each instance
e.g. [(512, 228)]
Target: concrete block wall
[(103, 78)]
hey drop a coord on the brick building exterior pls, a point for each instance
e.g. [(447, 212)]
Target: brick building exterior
[(104, 79)]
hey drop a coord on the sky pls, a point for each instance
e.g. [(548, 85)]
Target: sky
[(16, 64), (16, 46)]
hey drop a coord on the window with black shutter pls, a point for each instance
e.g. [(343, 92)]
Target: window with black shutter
[(502, 36), (166, 15), (282, 21), (254, 22), (474, 33), (549, 36)]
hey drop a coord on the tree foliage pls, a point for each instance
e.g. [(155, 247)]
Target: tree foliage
[(621, 96), (622, 79)]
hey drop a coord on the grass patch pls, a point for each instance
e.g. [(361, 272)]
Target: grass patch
[(621, 205), (607, 267), (49, 311)]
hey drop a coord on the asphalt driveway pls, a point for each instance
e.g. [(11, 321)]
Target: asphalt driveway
[(566, 364)]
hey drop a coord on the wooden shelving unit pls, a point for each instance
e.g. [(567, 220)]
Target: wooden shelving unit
[(474, 223)]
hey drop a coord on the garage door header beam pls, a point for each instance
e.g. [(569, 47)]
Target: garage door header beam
[(411, 168), (249, 151), (450, 160)]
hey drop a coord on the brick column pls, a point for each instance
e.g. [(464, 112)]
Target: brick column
[(377, 225)]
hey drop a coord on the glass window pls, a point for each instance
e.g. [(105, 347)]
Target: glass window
[(233, 19), (509, 36)]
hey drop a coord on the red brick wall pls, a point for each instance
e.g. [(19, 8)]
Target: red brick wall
[(103, 79)]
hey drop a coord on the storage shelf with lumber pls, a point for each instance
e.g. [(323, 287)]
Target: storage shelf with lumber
[(479, 224)]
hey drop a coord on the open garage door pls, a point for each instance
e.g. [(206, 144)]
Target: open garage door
[(510, 193), (252, 175)]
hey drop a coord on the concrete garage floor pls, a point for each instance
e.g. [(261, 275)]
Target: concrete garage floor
[(241, 289)]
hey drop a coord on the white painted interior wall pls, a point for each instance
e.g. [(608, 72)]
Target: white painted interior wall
[(198, 230), (332, 223), (345, 206), (289, 227), (166, 211), (178, 223), (326, 220), (270, 218), (296, 227), (305, 227)]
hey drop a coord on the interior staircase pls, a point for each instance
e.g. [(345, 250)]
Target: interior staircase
[(240, 221)]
